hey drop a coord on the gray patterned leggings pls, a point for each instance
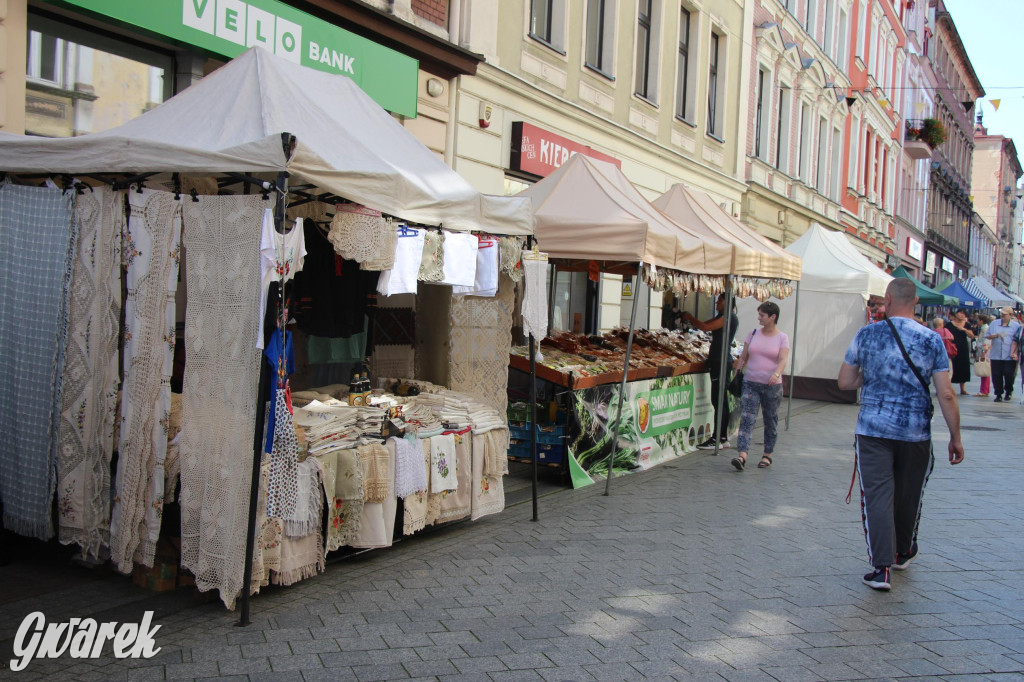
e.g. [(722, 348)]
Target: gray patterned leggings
[(768, 398)]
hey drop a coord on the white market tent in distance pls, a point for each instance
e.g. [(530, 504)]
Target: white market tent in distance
[(978, 286), (587, 210), (233, 121), (835, 286)]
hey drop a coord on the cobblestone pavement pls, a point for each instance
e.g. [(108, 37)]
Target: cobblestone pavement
[(688, 571)]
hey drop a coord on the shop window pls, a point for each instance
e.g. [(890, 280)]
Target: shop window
[(684, 94), (601, 36), (78, 81), (547, 23), (647, 51)]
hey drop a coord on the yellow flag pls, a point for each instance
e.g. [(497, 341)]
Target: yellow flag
[(995, 103)]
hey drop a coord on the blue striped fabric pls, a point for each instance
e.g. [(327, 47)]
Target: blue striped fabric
[(36, 247)]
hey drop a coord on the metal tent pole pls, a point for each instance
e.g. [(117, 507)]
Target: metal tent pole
[(622, 385), (257, 451), (533, 419), (792, 355), (726, 348)]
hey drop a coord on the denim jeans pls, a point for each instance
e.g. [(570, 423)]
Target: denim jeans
[(768, 398)]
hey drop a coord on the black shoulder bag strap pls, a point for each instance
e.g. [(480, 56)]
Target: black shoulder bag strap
[(917, 372)]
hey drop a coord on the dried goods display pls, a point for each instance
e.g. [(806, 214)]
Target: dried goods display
[(684, 283), (579, 360)]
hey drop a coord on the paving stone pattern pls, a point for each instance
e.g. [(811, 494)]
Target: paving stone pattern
[(688, 571)]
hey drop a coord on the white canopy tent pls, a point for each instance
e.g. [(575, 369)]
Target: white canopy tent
[(755, 255), (233, 121), (260, 117), (835, 285), (588, 210)]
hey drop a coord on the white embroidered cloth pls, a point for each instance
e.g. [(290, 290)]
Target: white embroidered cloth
[(489, 487), (402, 277), (150, 250), (485, 281), (443, 464), (459, 258), (535, 300), (89, 398), (222, 240), (410, 474), (281, 256)]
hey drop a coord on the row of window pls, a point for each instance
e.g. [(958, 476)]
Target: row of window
[(827, 23), (547, 25), (815, 137)]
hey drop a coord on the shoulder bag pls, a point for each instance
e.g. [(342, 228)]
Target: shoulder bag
[(735, 386), (913, 367)]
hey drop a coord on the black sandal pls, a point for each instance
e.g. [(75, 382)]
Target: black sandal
[(739, 463), (762, 465)]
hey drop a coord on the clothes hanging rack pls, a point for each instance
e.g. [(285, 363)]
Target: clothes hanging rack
[(129, 181)]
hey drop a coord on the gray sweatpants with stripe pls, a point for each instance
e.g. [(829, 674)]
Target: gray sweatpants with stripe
[(893, 474)]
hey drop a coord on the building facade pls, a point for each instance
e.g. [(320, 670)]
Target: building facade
[(996, 172), (917, 104), (876, 65), (77, 67), (949, 208), (655, 86), (797, 110)]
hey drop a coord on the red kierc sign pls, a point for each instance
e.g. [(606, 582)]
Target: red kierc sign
[(540, 152)]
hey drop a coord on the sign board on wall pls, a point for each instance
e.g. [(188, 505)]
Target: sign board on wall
[(914, 248), (230, 27), (947, 265), (929, 262), (541, 152)]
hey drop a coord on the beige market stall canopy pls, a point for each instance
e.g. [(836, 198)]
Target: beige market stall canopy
[(233, 121), (756, 256), (587, 210)]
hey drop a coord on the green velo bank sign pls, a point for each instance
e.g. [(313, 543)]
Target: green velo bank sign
[(229, 27)]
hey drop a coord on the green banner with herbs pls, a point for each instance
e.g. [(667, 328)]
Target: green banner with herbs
[(661, 419), (229, 27)]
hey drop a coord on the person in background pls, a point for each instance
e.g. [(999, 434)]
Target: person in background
[(939, 327), (983, 348), (716, 326), (671, 318), (962, 337), (894, 448), (1002, 355), (764, 357)]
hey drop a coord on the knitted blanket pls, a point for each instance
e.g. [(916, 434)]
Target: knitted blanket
[(36, 247), (222, 240), (150, 252), (89, 400)]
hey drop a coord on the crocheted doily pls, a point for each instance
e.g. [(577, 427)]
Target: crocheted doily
[(358, 233)]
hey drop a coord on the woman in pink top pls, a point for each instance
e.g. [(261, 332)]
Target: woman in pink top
[(764, 357)]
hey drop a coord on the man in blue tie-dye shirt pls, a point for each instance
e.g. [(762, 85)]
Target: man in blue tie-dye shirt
[(894, 448)]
